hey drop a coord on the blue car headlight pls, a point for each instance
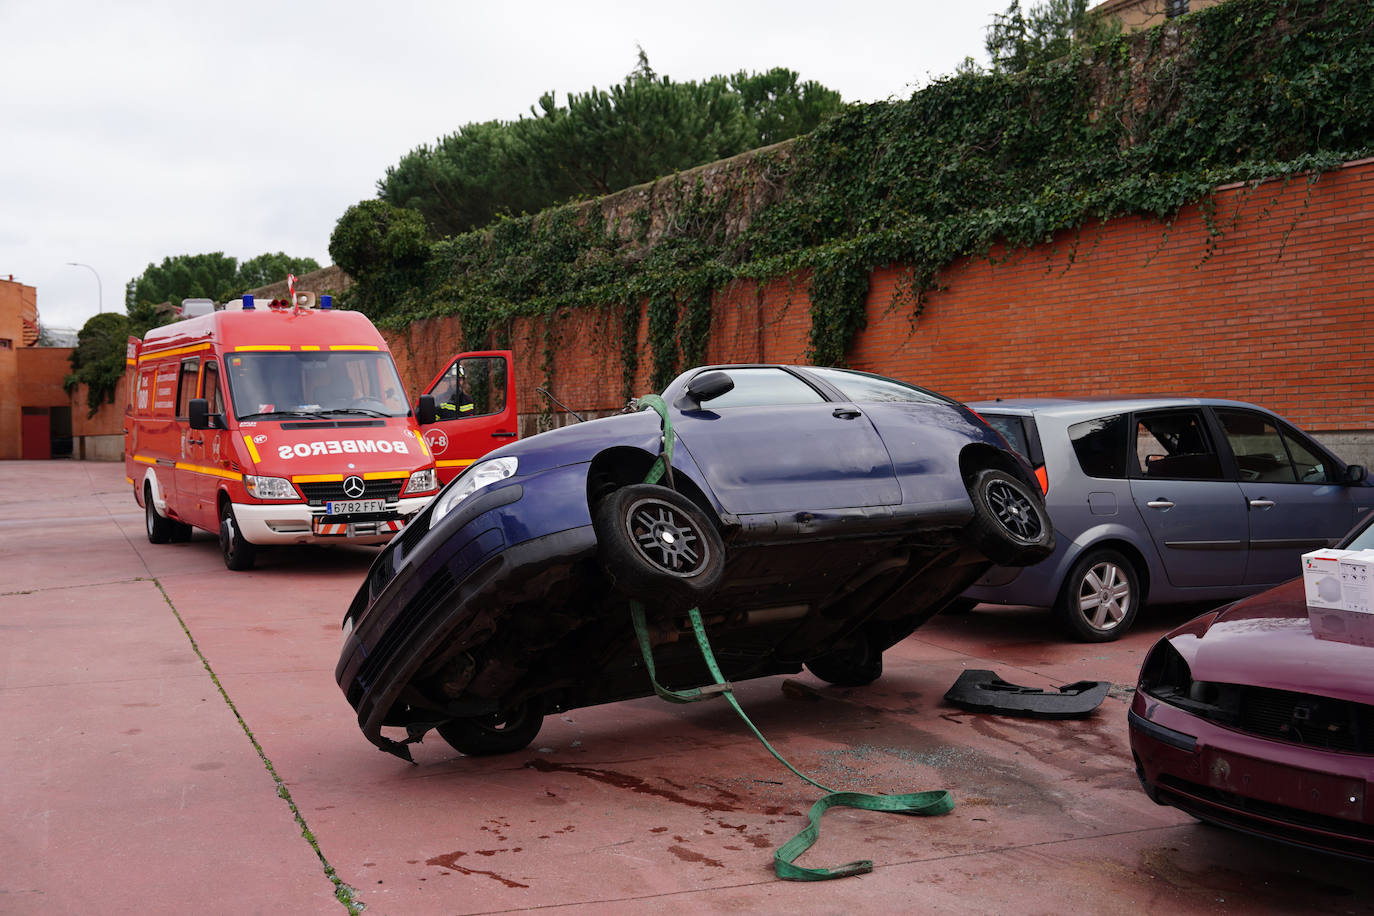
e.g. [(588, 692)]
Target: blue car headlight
[(477, 477)]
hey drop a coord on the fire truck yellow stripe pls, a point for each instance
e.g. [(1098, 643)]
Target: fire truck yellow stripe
[(458, 463), (252, 449), (354, 347), (424, 447), (212, 472), (316, 478), (386, 475), (261, 347)]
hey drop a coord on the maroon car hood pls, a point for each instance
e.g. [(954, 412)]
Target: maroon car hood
[(1273, 640)]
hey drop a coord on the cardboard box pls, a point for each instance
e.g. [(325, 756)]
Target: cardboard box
[(1341, 580)]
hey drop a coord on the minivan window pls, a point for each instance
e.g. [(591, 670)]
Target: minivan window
[(1100, 446), (1174, 445), (1270, 455)]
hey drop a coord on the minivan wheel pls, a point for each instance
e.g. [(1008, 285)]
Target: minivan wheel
[(1010, 525), (1100, 598), (238, 553), (159, 526), (499, 733), (659, 547)]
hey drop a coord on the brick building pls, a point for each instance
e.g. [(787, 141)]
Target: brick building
[(35, 411)]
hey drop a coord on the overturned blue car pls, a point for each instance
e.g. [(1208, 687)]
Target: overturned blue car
[(815, 516)]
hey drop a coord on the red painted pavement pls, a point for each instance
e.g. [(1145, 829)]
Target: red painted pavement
[(131, 784)]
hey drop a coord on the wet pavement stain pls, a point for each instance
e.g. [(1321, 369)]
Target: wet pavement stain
[(688, 855), (450, 861), (1286, 891), (757, 841), (639, 786)]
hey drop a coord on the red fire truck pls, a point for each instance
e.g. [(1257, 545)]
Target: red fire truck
[(285, 424)]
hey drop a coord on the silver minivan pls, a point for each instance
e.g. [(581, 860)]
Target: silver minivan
[(1167, 500)]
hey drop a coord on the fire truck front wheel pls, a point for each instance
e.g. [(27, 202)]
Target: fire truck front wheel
[(238, 553)]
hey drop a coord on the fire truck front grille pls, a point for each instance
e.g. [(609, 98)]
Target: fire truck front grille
[(317, 494)]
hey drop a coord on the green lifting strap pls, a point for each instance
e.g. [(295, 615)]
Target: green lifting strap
[(784, 858)]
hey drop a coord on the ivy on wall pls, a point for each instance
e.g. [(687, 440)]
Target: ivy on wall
[(1246, 90)]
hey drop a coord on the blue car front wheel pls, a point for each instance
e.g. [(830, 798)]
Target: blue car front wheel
[(659, 547)]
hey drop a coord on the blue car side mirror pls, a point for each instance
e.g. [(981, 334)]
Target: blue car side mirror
[(709, 385)]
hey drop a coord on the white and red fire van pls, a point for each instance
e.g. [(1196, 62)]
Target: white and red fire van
[(273, 425)]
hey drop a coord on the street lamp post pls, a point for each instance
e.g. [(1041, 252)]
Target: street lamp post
[(99, 287)]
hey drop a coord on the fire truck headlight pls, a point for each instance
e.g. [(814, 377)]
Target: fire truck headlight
[(269, 487), (425, 481)]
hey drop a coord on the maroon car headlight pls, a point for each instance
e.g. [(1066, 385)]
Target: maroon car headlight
[(1165, 675)]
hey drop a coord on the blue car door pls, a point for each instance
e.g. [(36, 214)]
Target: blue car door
[(1292, 491), (775, 444), (1196, 514)]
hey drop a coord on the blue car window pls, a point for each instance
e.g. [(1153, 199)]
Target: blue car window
[(1011, 428), (765, 387), (1100, 446), (863, 386)]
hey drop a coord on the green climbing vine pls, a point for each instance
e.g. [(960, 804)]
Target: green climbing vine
[(1145, 124)]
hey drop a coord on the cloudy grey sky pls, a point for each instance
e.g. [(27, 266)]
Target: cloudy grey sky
[(135, 131)]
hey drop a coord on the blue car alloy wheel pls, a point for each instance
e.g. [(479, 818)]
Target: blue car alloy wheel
[(1010, 524), (658, 546)]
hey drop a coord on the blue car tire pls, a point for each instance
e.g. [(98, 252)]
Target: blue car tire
[(1010, 525), (499, 733), (659, 547)]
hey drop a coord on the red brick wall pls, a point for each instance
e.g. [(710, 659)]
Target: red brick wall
[(1277, 311)]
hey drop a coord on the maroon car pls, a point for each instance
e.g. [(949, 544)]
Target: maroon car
[(1260, 716)]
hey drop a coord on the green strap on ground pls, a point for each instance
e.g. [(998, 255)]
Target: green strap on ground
[(784, 858)]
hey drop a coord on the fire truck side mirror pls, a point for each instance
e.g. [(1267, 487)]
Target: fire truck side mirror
[(200, 413), (424, 410)]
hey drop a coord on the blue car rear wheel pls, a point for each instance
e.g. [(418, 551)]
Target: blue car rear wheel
[(1010, 525)]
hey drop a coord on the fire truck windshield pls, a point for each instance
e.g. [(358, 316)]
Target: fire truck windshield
[(315, 383)]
